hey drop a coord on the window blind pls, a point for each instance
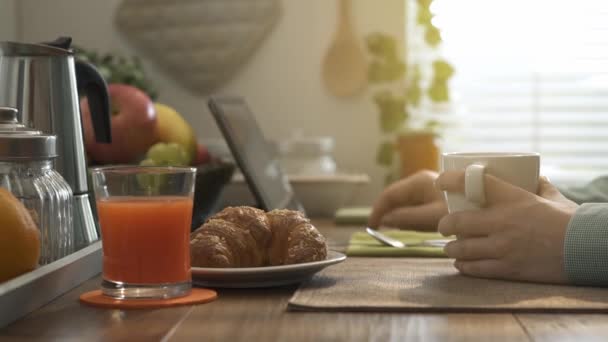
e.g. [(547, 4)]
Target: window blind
[(530, 76)]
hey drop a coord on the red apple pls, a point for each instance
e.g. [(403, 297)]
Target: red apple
[(133, 125), (202, 155)]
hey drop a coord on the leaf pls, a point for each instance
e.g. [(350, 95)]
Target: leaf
[(424, 16), (442, 70), (392, 111), (393, 119), (119, 69), (382, 45), (380, 72), (438, 91), (432, 36), (425, 3), (385, 153)]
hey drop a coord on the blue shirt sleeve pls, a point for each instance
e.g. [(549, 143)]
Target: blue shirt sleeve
[(586, 245)]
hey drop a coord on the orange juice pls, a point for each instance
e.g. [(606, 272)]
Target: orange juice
[(146, 239)]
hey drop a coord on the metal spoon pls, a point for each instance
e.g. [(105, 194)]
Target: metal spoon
[(389, 241)]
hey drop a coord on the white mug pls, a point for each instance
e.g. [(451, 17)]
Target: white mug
[(519, 169)]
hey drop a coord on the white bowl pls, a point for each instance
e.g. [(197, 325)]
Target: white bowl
[(320, 195)]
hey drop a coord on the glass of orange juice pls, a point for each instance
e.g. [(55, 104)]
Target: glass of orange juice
[(145, 214)]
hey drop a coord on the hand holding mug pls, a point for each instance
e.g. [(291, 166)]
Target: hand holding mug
[(516, 234)]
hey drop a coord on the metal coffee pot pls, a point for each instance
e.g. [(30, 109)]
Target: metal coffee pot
[(44, 82)]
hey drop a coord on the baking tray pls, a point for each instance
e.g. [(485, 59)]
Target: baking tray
[(32, 290)]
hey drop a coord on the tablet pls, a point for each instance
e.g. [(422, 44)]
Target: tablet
[(252, 153)]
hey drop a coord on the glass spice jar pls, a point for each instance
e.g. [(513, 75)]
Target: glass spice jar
[(26, 170)]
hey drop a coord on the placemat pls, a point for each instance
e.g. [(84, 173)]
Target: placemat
[(433, 285), (361, 244)]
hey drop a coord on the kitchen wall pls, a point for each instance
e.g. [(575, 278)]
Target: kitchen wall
[(8, 20), (282, 81)]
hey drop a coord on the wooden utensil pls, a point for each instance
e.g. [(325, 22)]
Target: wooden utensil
[(345, 65)]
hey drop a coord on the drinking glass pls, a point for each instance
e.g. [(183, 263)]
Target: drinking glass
[(145, 215)]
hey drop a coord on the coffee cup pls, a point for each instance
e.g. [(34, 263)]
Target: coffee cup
[(519, 169)]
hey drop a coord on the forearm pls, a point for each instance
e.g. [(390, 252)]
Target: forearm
[(586, 246)]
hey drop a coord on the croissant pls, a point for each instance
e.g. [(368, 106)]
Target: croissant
[(250, 237)]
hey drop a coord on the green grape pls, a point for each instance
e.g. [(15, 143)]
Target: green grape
[(432, 36), (148, 162), (168, 154), (442, 70), (438, 91), (424, 16), (150, 183), (385, 154)]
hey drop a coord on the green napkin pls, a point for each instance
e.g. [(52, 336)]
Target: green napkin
[(361, 244), (352, 215)]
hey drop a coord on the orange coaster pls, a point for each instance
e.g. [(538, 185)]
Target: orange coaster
[(197, 296)]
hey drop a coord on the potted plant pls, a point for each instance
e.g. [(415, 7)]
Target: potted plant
[(403, 93)]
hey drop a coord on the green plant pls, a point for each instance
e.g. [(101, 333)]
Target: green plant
[(400, 88), (118, 69)]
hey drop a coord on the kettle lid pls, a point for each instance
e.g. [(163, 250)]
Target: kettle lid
[(13, 49)]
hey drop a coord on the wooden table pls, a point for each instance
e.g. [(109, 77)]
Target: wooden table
[(260, 315)]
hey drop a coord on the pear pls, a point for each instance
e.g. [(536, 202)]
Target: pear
[(173, 128)]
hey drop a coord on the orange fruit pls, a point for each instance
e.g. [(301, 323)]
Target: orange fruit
[(19, 238)]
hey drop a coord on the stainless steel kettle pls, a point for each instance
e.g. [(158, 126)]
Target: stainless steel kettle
[(43, 82)]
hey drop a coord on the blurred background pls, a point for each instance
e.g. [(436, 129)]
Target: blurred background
[(475, 75)]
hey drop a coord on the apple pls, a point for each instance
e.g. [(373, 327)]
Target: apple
[(133, 125), (202, 155)]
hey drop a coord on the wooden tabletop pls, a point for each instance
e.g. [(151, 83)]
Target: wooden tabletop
[(261, 315)]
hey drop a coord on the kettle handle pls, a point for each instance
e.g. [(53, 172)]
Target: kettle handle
[(96, 90), (61, 42)]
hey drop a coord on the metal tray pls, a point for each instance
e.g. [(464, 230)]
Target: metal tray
[(30, 291)]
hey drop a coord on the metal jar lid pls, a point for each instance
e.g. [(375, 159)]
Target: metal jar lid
[(22, 147), (18, 142), (9, 122)]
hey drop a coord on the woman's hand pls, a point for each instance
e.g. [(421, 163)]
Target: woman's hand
[(411, 203), (517, 235)]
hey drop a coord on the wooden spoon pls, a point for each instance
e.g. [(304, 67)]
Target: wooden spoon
[(345, 65)]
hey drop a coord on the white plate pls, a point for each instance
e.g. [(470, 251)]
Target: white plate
[(262, 276)]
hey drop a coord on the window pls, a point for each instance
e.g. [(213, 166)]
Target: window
[(531, 75)]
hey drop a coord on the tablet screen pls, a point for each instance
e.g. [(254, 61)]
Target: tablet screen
[(258, 162)]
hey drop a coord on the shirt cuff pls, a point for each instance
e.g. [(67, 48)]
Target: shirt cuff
[(586, 245)]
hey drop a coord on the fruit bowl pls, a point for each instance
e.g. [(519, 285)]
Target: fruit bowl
[(211, 178)]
